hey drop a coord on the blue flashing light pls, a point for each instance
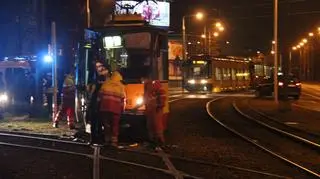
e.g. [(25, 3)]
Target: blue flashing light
[(48, 59)]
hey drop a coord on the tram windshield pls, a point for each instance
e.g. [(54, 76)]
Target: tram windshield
[(199, 69), (133, 61)]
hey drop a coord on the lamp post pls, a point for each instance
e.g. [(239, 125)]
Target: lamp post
[(275, 75), (199, 16), (88, 14)]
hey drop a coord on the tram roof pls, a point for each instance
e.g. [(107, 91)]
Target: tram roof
[(127, 28), (218, 58)]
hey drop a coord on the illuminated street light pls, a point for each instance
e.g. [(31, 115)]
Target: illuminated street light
[(272, 52), (298, 46), (304, 40), (301, 44), (311, 34), (273, 42), (189, 43), (203, 36), (218, 24), (198, 42), (216, 34), (221, 29), (199, 15), (294, 48), (227, 42), (258, 52)]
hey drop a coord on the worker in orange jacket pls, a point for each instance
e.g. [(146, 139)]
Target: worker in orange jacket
[(68, 102), (154, 102), (111, 99)]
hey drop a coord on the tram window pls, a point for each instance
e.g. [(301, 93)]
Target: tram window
[(247, 75), (233, 74), (225, 74), (218, 73)]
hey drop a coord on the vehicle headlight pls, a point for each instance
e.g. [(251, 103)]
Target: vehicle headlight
[(204, 81), (192, 81), (3, 98), (139, 100)]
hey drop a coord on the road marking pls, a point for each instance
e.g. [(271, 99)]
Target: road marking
[(307, 107), (291, 123), (316, 97), (174, 96), (166, 160)]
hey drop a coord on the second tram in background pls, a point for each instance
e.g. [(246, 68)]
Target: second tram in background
[(215, 74)]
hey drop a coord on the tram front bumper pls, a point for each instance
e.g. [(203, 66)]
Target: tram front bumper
[(199, 87)]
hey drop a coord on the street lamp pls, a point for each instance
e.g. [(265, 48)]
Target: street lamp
[(221, 29), (203, 36), (294, 48), (311, 34), (304, 40), (216, 34), (218, 24), (199, 16)]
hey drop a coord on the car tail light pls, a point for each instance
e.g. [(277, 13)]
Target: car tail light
[(280, 83)]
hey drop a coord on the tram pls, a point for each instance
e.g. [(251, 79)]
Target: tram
[(134, 48), (203, 73)]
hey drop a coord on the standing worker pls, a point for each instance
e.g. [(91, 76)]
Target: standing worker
[(68, 102), (154, 101), (93, 107), (112, 96)]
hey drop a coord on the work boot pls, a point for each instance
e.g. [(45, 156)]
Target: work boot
[(55, 125)]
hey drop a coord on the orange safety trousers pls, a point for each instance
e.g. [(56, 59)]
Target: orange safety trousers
[(154, 121)]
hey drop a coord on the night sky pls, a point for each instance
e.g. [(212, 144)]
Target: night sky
[(250, 22)]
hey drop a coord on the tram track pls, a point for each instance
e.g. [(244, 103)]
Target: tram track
[(125, 156), (291, 151), (304, 136)]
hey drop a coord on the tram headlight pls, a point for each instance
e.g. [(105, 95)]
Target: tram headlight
[(4, 97), (204, 81), (139, 100), (192, 81)]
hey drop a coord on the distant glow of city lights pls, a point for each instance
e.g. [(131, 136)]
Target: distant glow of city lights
[(304, 40), (218, 24), (311, 34), (48, 59), (199, 15), (216, 34), (318, 28), (203, 36), (294, 48)]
